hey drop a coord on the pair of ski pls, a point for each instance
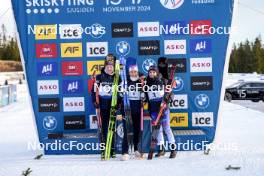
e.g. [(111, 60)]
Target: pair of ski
[(156, 125)]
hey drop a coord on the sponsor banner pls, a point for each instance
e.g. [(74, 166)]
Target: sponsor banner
[(201, 83), (179, 102), (50, 123), (179, 120), (47, 69), (97, 49), (201, 64), (201, 46), (76, 122), (173, 28), (71, 50), (73, 104), (174, 47), (46, 50), (48, 87), (49, 104), (71, 31), (151, 47), (200, 27), (122, 30), (203, 119), (72, 68), (95, 66), (72, 86), (180, 63), (148, 29), (45, 32)]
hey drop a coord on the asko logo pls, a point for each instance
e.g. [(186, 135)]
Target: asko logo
[(95, 66), (72, 68), (200, 27), (201, 46), (48, 87), (73, 104), (74, 122), (70, 31), (148, 29), (47, 69), (97, 49), (49, 104), (71, 49), (45, 32), (179, 120), (72, 86), (201, 65), (179, 102), (172, 4), (46, 50), (122, 30), (203, 119), (172, 47)]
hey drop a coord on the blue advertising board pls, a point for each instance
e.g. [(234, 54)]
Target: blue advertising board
[(64, 41)]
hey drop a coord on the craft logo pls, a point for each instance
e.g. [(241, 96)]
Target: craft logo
[(71, 49), (173, 28), (50, 123), (148, 29), (47, 69), (97, 49), (179, 120), (200, 27), (71, 31), (201, 64), (148, 63), (172, 4), (94, 66), (48, 87), (179, 84), (73, 104), (203, 119), (123, 48), (49, 105), (122, 30), (46, 50), (45, 32), (172, 47), (199, 83), (201, 46), (96, 30), (72, 86), (74, 122), (181, 65), (72, 68), (202, 101), (179, 102), (151, 47)]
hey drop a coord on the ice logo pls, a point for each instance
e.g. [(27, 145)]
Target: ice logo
[(202, 101), (148, 63), (171, 4), (49, 123), (179, 84), (122, 48)]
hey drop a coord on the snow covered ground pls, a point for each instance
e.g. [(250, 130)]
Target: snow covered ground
[(240, 143)]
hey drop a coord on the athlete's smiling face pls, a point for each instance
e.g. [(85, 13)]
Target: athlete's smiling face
[(109, 69), (152, 74)]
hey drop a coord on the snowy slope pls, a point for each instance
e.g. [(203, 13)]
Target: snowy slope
[(240, 127)]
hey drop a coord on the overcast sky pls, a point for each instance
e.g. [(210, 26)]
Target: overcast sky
[(249, 25)]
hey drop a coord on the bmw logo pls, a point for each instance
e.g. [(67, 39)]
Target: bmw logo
[(122, 48), (172, 4), (202, 101), (179, 84), (147, 63), (120, 130), (49, 123)]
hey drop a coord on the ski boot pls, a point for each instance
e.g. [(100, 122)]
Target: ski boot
[(161, 151), (173, 151)]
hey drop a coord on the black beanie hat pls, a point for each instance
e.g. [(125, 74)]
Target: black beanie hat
[(110, 60)]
